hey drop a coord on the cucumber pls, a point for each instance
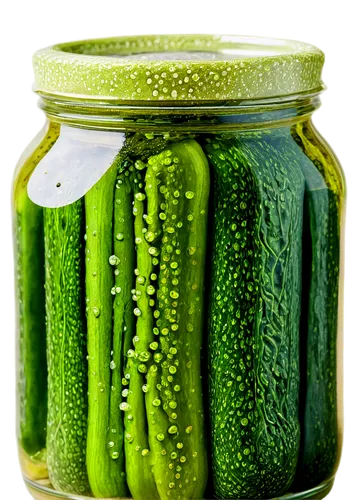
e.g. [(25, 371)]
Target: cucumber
[(321, 253), (254, 313), (105, 459), (164, 421), (174, 396), (66, 349), (30, 280), (138, 457)]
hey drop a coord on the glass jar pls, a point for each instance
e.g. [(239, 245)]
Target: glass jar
[(178, 248)]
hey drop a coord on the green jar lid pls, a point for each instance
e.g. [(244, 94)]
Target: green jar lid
[(173, 68)]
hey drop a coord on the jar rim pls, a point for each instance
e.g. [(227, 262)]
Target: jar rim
[(178, 69)]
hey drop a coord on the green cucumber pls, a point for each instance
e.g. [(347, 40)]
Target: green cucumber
[(66, 349), (321, 253), (174, 396), (138, 457), (105, 459), (164, 419), (254, 313), (30, 280)]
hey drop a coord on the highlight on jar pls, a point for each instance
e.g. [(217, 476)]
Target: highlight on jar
[(178, 234)]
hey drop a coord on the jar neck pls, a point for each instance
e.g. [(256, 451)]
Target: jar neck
[(189, 118)]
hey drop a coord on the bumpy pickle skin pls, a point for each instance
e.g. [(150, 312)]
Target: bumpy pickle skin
[(254, 313), (174, 397), (164, 434), (30, 294), (320, 446), (66, 349), (138, 457), (105, 460)]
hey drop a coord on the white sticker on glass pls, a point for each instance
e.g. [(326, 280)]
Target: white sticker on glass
[(74, 164)]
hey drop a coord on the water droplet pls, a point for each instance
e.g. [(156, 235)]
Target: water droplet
[(140, 196), (189, 327), (115, 455), (114, 260), (96, 311), (150, 290), (189, 429), (139, 165), (125, 406), (154, 251), (119, 236), (180, 446), (145, 452), (142, 368), (156, 402), (160, 436), (173, 404), (112, 365), (125, 393), (110, 444), (190, 195), (183, 459), (174, 294), (141, 280), (172, 370), (177, 388), (129, 437), (173, 429), (171, 485), (154, 345), (145, 388), (137, 311), (144, 356)]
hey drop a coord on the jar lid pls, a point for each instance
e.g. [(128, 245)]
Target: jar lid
[(178, 68)]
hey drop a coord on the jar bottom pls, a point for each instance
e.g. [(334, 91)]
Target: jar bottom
[(41, 490)]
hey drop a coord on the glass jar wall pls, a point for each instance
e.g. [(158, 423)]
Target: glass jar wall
[(179, 279)]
